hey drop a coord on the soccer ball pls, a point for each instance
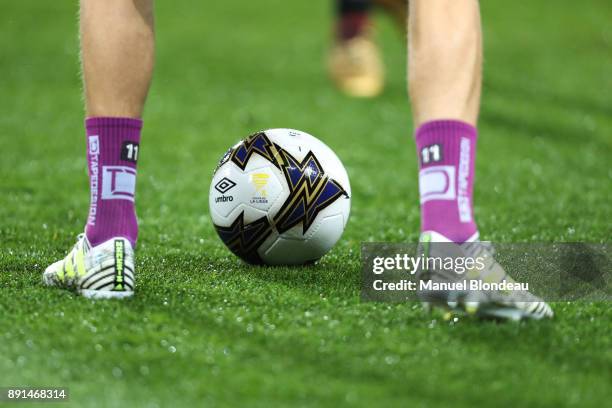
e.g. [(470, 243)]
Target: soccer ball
[(280, 197)]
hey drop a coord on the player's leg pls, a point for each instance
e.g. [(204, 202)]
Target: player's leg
[(445, 60), (444, 68), (354, 61), (445, 74), (117, 49)]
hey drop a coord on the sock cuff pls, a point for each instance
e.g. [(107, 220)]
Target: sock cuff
[(447, 127), (113, 122)]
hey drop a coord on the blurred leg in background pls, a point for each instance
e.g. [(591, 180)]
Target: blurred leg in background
[(444, 76), (354, 62), (117, 51)]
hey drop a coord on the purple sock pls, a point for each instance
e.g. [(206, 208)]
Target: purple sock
[(447, 152), (112, 152)]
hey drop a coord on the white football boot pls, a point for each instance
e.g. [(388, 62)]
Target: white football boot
[(100, 272), (510, 305)]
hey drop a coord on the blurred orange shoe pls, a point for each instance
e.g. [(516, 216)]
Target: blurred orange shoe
[(356, 67)]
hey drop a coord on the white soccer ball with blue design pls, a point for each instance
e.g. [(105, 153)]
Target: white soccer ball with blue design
[(280, 197)]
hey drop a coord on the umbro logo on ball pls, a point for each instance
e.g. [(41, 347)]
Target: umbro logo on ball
[(224, 185)]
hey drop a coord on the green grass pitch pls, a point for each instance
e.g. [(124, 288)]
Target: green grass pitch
[(206, 330)]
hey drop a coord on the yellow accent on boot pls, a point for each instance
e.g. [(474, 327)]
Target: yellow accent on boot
[(68, 265), (80, 262), (60, 272)]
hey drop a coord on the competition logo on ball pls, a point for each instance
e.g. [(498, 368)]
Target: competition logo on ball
[(288, 209)]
